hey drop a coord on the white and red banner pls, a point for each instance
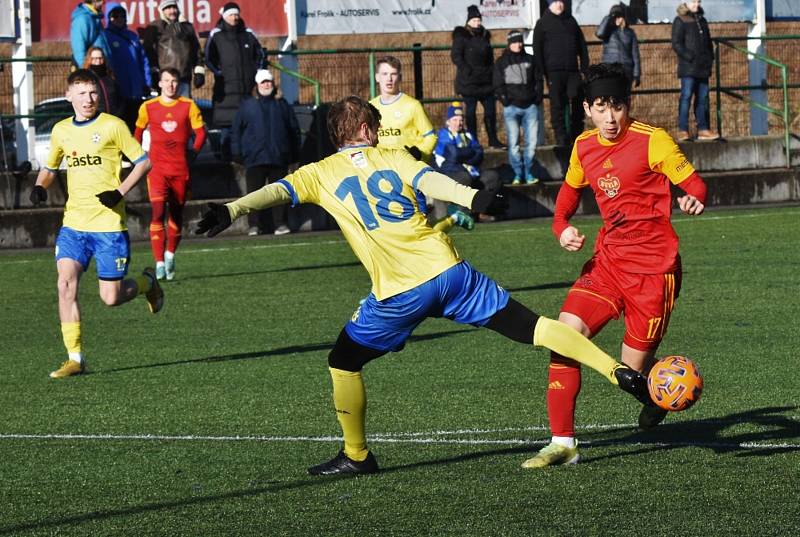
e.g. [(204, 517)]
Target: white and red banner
[(51, 18)]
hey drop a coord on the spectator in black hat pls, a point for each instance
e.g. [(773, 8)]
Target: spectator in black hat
[(558, 45), (473, 56), (620, 44), (233, 54), (519, 86), (171, 42)]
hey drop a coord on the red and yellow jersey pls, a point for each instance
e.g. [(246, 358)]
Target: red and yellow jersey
[(171, 126), (630, 178)]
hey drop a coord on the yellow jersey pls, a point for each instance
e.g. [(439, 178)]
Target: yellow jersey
[(92, 151), (405, 123), (370, 192)]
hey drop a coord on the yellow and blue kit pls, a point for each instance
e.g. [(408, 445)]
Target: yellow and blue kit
[(405, 123)]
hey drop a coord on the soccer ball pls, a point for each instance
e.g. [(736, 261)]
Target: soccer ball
[(675, 383)]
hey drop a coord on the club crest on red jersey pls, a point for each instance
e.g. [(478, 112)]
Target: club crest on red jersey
[(609, 184)]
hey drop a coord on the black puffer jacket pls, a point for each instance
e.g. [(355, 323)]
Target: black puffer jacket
[(691, 41), (558, 43), (234, 55), (620, 45), (517, 80), (172, 44), (472, 53)]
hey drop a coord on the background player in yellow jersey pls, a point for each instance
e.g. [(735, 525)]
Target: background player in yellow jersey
[(94, 217), (416, 272)]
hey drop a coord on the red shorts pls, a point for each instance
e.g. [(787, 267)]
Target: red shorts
[(646, 300), (172, 188)]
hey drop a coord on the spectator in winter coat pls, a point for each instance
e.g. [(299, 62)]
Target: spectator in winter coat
[(86, 30), (620, 44), (171, 42), (233, 54), (519, 86), (558, 45), (472, 54), (265, 138), (459, 155), (691, 41), (129, 63), (108, 94)]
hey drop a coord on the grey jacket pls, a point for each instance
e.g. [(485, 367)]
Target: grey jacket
[(620, 45)]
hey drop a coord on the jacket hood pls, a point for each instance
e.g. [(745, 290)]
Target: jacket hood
[(463, 32), (83, 10), (224, 26), (108, 8), (683, 11)]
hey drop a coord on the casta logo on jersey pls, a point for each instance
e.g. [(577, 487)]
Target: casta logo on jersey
[(388, 131), (609, 184), (74, 160)]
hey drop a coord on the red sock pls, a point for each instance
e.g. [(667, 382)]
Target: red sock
[(173, 236), (564, 383), (157, 230)]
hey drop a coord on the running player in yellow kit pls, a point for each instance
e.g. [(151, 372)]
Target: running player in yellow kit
[(94, 217), (416, 272)]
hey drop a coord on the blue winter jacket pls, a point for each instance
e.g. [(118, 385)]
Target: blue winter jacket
[(457, 152), (128, 60), (86, 30), (265, 132)]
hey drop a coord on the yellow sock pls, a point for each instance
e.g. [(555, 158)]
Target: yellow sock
[(350, 400), (143, 283), (568, 342), (71, 334), (445, 224)]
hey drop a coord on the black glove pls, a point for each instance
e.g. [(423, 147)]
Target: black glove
[(199, 79), (415, 152), (637, 82), (488, 202), (215, 220), (191, 155), (38, 195), (110, 198)]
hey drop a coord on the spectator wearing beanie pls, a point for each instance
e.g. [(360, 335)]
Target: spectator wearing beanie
[(558, 45), (171, 42), (86, 30), (459, 155), (129, 63), (519, 86), (472, 54), (691, 41), (233, 54), (620, 44)]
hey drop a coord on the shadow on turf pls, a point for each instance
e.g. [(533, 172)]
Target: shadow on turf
[(281, 351), (708, 433)]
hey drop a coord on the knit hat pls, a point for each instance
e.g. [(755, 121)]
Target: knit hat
[(230, 8), (116, 8), (514, 36), (262, 75), (551, 1), (617, 11), (473, 13), (455, 109), (164, 4)]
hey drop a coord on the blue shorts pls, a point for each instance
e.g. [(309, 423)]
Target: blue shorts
[(111, 250), (460, 293)]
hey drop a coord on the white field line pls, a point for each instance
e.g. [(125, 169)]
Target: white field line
[(189, 251), (434, 437)]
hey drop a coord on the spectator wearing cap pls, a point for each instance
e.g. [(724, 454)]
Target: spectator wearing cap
[(519, 86), (473, 56), (691, 41), (265, 138), (171, 42), (558, 46), (233, 54), (86, 30), (129, 63), (620, 44), (459, 155)]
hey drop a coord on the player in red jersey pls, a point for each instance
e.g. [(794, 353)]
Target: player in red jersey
[(172, 120), (635, 269)]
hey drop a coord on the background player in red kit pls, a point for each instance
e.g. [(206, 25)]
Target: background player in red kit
[(172, 120), (635, 269)]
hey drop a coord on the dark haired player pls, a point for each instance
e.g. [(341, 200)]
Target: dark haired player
[(635, 269), (416, 272), (94, 217)]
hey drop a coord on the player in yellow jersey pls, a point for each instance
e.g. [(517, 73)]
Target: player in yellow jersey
[(94, 217), (416, 272), (405, 125)]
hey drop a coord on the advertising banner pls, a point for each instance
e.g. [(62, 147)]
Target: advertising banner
[(51, 18), (714, 10), (315, 17)]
